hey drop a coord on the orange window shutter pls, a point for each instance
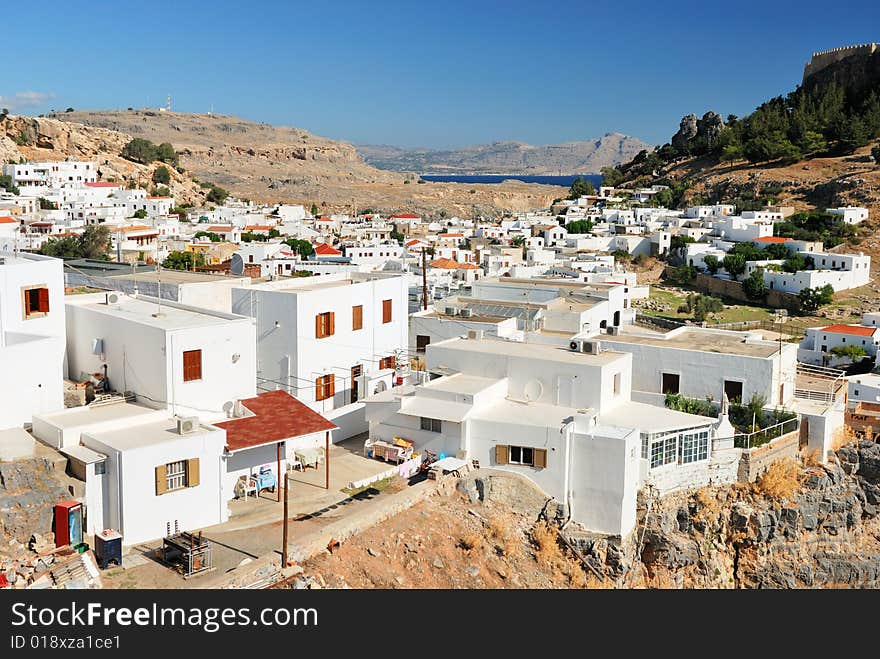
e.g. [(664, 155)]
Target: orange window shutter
[(331, 386), (386, 311), (332, 329), (319, 326), (43, 303)]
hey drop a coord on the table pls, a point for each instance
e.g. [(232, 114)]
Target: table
[(309, 457)]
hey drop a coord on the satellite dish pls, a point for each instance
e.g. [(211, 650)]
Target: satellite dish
[(237, 265), (533, 390)]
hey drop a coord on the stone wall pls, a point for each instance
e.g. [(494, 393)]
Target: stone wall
[(29, 489), (734, 290), (756, 460), (827, 57)]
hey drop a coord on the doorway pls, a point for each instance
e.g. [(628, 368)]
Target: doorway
[(355, 374)]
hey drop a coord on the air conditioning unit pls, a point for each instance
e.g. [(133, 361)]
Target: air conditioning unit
[(111, 298), (586, 346), (614, 330), (451, 311), (187, 424), (466, 313)]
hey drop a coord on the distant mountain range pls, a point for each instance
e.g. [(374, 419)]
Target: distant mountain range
[(584, 157)]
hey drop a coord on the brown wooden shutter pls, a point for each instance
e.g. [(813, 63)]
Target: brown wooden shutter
[(161, 480), (319, 327), (192, 472), (192, 365), (502, 454), (332, 324), (540, 458), (43, 297), (331, 386), (386, 311), (357, 317)]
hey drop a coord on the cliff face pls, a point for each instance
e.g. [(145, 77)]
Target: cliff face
[(281, 164), (583, 157), (825, 535)]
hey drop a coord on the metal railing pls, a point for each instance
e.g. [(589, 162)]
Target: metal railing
[(765, 435)]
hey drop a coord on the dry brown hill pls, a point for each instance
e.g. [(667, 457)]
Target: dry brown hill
[(273, 164)]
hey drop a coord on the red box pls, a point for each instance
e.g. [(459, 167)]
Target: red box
[(68, 523)]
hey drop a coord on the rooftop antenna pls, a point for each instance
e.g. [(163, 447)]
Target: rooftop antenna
[(168, 103), (159, 313)]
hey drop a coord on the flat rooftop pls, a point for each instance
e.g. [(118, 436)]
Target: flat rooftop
[(529, 350), (146, 434), (700, 340), (469, 319), (650, 418), (177, 277), (146, 311), (537, 415), (461, 383), (322, 282), (75, 417)]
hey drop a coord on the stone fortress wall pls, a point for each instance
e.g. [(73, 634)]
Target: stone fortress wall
[(825, 58)]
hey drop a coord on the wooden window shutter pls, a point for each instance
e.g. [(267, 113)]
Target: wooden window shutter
[(357, 317), (319, 388), (386, 311), (161, 480), (540, 458), (502, 454), (331, 386), (192, 472), (192, 365), (319, 327), (43, 296), (332, 324)]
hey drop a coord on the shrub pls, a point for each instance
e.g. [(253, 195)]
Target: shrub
[(754, 285), (781, 480), (161, 176), (546, 538)]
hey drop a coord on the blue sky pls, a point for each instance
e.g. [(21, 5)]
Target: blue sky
[(414, 73)]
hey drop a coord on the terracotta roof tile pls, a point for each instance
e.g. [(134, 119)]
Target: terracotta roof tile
[(856, 330)]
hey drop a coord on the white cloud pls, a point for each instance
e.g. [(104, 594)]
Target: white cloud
[(27, 99)]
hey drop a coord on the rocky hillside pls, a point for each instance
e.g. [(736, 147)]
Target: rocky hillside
[(271, 163), (583, 157), (43, 139)]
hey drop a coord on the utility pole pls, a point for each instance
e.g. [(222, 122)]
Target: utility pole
[(424, 279), (284, 533)]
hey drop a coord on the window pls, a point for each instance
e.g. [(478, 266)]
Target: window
[(694, 446), (670, 383), (100, 468), (645, 445), (616, 383), (734, 390), (386, 311), (325, 324), (36, 301), (177, 475), (325, 387), (663, 451), (521, 455), (431, 425), (357, 317), (192, 365), (387, 362), (422, 342)]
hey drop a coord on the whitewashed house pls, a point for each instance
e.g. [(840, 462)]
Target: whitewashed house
[(850, 214), (329, 340), (31, 337)]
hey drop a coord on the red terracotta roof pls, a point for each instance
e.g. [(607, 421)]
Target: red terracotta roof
[(856, 330), (772, 239), (258, 227), (217, 228), (451, 235), (405, 216), (154, 197), (103, 184), (7, 220), (325, 250), (277, 416)]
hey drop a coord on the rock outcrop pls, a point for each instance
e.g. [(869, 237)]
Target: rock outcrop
[(691, 129)]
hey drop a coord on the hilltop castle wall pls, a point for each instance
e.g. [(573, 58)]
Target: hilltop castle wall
[(825, 58)]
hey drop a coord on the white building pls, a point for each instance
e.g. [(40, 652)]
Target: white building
[(850, 214), (31, 337), (329, 340), (562, 418), (188, 360), (37, 175), (819, 342)]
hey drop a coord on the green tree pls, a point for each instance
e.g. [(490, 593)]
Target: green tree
[(611, 176), (47, 205), (851, 352), (210, 235), (735, 264), (680, 240), (754, 285), (217, 195), (314, 211), (664, 199), (795, 263), (682, 275), (581, 187), (161, 176), (92, 243), (875, 153), (183, 261), (140, 214), (140, 150), (713, 265), (7, 184), (579, 226), (813, 298), (302, 247)]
